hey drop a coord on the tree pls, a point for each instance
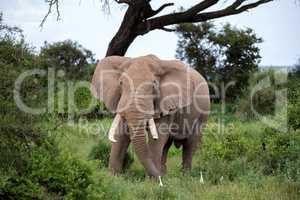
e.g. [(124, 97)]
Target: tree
[(222, 56), (296, 69), (13, 49), (68, 56), (140, 18)]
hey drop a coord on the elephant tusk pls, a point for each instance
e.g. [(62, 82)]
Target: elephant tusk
[(113, 129), (153, 129)]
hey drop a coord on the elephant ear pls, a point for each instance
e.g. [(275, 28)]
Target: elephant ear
[(105, 81), (176, 87)]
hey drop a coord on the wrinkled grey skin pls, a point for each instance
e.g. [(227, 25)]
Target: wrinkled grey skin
[(141, 88)]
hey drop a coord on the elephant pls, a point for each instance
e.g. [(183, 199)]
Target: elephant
[(157, 103)]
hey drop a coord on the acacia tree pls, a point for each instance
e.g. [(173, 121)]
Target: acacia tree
[(140, 18)]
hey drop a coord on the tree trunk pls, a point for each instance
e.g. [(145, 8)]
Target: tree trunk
[(120, 43), (128, 29)]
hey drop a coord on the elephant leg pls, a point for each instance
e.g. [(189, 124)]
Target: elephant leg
[(117, 153), (156, 147), (165, 155), (189, 146)]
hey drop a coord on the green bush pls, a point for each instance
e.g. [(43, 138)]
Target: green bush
[(241, 149), (259, 99), (101, 152), (281, 150), (31, 165), (18, 132), (294, 114), (80, 103), (52, 175), (263, 101), (294, 102)]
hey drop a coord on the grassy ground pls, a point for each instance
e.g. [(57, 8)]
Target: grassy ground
[(225, 172)]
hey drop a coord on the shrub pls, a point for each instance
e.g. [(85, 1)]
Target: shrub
[(101, 152), (18, 133), (31, 166), (52, 175), (80, 104), (294, 102), (260, 97), (281, 150), (247, 149), (294, 114)]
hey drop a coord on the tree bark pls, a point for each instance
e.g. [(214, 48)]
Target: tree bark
[(127, 32)]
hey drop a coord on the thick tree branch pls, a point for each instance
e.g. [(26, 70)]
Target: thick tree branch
[(194, 14)]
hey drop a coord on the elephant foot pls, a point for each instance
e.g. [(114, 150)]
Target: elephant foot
[(114, 172), (186, 170)]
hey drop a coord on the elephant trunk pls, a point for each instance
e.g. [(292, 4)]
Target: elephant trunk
[(138, 115), (139, 142)]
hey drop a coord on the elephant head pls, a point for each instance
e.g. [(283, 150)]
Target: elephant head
[(139, 90)]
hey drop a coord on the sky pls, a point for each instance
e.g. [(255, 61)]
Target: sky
[(278, 23)]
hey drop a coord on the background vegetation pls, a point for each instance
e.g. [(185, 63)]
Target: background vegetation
[(222, 55), (63, 153)]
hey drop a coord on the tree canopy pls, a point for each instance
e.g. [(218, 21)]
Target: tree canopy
[(68, 56), (221, 55)]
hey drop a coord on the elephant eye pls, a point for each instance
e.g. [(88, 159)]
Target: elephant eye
[(120, 82)]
